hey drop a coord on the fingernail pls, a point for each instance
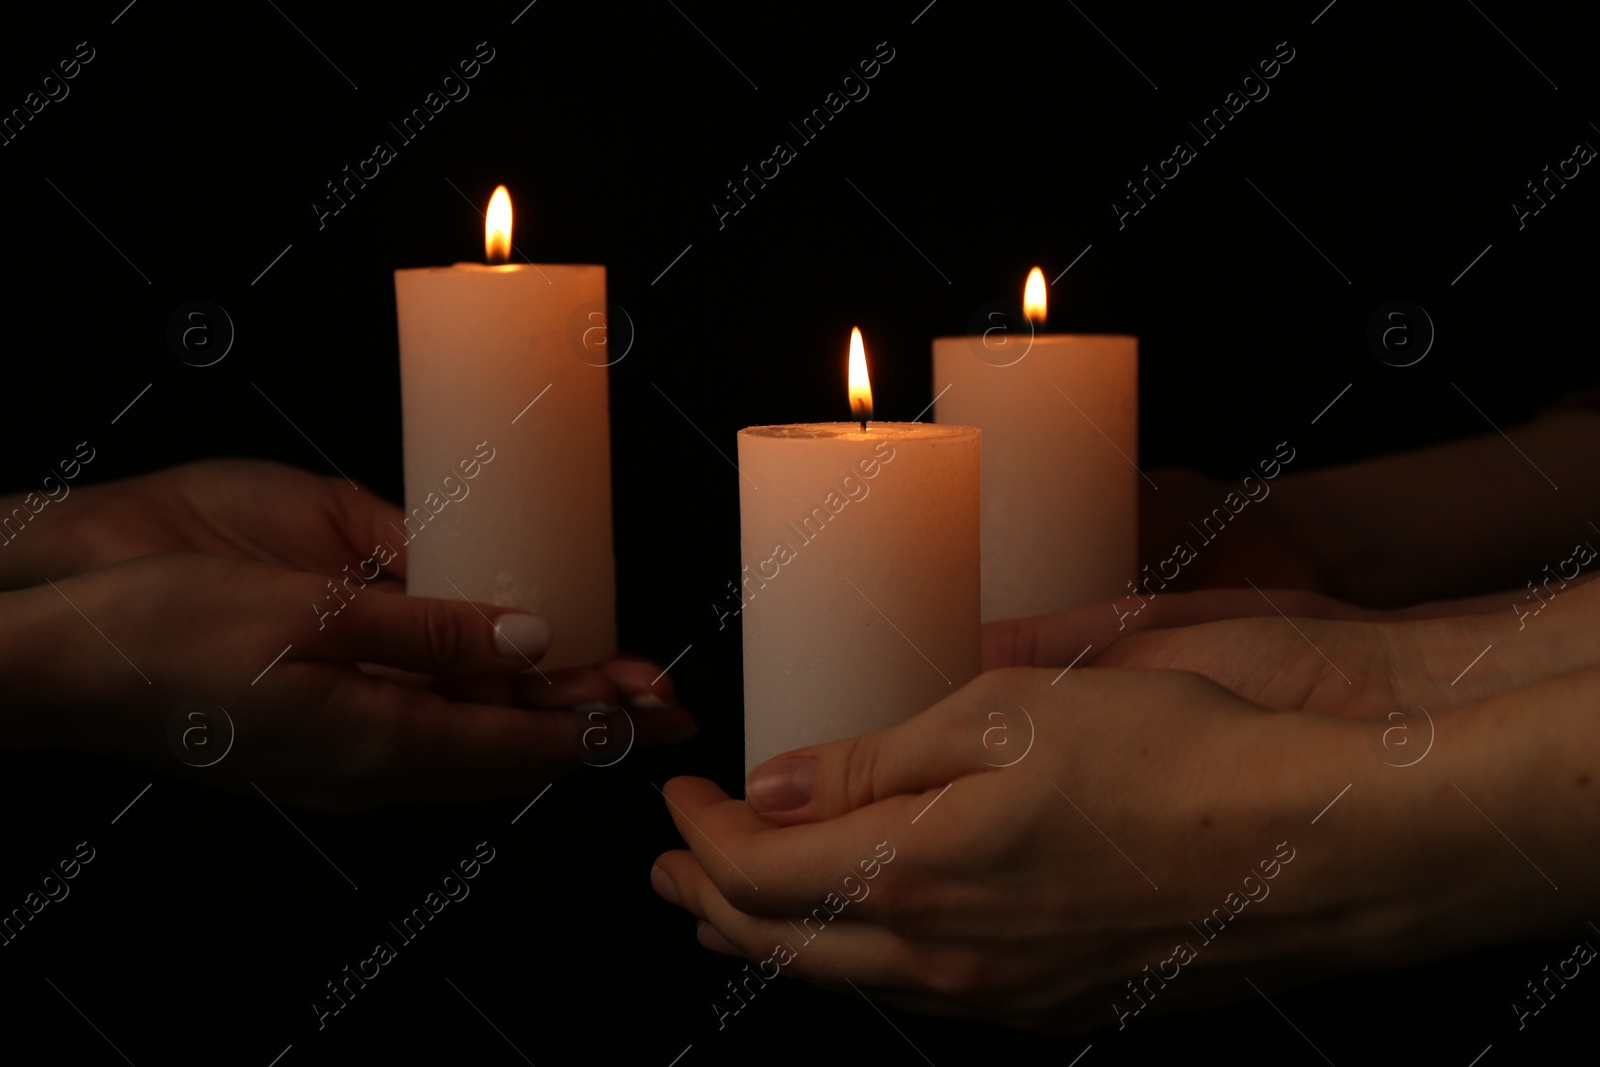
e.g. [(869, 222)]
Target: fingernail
[(781, 784), (647, 702), (662, 884), (591, 708), (522, 636)]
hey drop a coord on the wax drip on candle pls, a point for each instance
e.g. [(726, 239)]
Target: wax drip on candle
[(860, 387)]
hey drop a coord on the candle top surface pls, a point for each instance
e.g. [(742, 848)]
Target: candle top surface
[(506, 268), (1042, 335), (851, 431)]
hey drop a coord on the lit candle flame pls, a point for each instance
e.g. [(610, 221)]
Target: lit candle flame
[(1033, 296), (497, 227), (860, 387)]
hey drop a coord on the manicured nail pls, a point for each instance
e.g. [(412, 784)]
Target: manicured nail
[(662, 884), (781, 784), (522, 636), (647, 702)]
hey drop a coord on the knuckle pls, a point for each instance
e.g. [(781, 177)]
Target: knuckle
[(861, 764), (444, 636), (735, 890)]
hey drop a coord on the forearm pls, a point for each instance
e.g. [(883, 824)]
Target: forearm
[(1462, 848), (1451, 520)]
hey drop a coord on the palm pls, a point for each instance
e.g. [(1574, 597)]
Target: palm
[(1337, 668)]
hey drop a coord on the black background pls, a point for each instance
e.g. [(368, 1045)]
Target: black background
[(190, 149)]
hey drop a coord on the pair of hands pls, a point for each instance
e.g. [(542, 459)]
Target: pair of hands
[(132, 598), (1057, 836)]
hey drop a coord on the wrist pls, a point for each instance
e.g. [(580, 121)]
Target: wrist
[(1392, 866), (1521, 771)]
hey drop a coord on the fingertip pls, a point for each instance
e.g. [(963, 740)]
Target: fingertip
[(667, 726), (781, 786), (664, 886), (709, 937), (688, 789), (640, 679), (520, 635)]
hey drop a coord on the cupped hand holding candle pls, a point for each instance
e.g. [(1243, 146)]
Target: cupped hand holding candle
[(860, 579), (1006, 898), (398, 698)]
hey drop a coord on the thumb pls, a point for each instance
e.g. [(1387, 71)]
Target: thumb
[(926, 752)]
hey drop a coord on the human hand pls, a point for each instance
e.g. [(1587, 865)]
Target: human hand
[(1161, 842), (1297, 650), (103, 660), (267, 512), (273, 513)]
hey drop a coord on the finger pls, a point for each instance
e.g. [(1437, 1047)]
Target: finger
[(367, 520), (434, 636), (768, 870), (639, 681), (429, 747), (825, 944), (580, 690), (1057, 640), (927, 751), (564, 687)]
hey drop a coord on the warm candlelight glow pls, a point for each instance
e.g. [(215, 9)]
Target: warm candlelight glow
[(1033, 296), (497, 227), (860, 387)]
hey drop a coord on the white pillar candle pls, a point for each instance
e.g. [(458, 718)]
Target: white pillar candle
[(507, 442), (1060, 440), (860, 578)]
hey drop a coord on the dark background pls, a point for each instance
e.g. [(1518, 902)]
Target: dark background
[(194, 143)]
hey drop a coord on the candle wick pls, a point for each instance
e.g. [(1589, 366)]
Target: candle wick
[(863, 425)]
